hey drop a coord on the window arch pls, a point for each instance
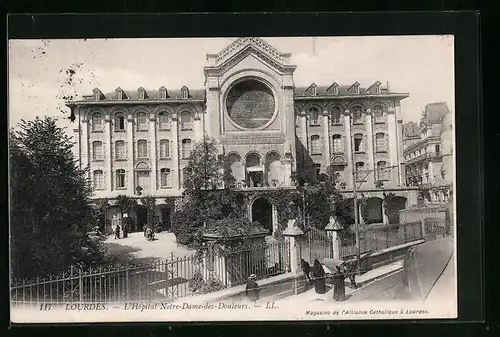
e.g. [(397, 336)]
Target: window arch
[(97, 122), (98, 180), (378, 113), (358, 142), (164, 122), (120, 150), (164, 149), (337, 144), (165, 178), (360, 166), (186, 120), (382, 173), (335, 115), (380, 144), (313, 116), (357, 115), (142, 148), (119, 121), (120, 178), (142, 121), (186, 148), (97, 152), (315, 144)]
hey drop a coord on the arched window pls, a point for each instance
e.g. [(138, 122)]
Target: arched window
[(163, 120), (336, 116), (119, 121), (360, 166), (315, 145), (164, 149), (98, 180), (186, 148), (165, 178), (380, 145), (97, 122), (382, 173), (120, 178), (357, 115), (120, 150), (142, 148), (313, 116), (358, 142), (186, 120), (185, 92), (142, 121), (97, 153), (337, 144), (378, 114), (185, 175)]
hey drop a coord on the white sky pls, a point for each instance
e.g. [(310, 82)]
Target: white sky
[(422, 66)]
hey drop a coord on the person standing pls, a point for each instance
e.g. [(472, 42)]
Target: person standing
[(339, 285), (319, 278), (117, 231), (252, 289)]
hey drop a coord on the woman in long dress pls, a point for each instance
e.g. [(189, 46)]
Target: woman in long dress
[(319, 277), (339, 285)]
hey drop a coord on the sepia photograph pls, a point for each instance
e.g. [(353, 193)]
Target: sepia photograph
[(232, 179)]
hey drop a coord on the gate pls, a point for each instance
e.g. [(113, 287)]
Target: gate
[(315, 244)]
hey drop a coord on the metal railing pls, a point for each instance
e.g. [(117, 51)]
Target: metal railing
[(162, 280)]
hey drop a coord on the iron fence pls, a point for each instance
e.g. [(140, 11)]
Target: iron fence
[(315, 244), (378, 237), (435, 228), (162, 280)]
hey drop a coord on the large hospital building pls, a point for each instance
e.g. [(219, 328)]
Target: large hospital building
[(268, 130)]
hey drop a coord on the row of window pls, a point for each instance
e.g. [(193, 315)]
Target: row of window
[(142, 179), (381, 173), (335, 115), (164, 121), (415, 154), (120, 152), (337, 143)]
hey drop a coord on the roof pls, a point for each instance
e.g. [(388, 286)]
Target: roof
[(434, 113), (411, 129), (198, 94)]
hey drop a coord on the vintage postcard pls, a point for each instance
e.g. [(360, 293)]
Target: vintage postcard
[(232, 179)]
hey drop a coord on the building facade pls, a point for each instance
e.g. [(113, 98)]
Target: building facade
[(429, 153), (268, 130)]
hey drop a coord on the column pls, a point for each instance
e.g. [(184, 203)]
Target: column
[(212, 108), (175, 153), (244, 168), (303, 126), (198, 129), (347, 130), (393, 146), (154, 147), (109, 150), (399, 143), (84, 140), (130, 176), (326, 133), (371, 152)]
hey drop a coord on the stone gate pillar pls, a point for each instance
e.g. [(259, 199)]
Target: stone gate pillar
[(333, 228), (291, 234)]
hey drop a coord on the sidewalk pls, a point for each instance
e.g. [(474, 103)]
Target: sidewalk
[(364, 280)]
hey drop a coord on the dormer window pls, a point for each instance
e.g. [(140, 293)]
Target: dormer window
[(119, 94), (356, 88), (163, 93), (314, 91), (142, 93), (98, 94), (185, 92), (377, 88), (335, 89)]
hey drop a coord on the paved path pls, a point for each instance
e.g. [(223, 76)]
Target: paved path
[(136, 248)]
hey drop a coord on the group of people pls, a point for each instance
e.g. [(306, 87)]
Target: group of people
[(316, 275), (149, 234), (121, 229)]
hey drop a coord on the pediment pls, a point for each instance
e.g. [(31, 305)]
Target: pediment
[(242, 48)]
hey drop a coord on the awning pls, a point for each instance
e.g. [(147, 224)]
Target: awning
[(254, 169)]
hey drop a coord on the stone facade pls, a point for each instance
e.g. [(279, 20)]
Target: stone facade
[(268, 130)]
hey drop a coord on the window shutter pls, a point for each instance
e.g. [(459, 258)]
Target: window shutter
[(321, 147), (365, 143), (105, 177), (149, 148), (386, 143)]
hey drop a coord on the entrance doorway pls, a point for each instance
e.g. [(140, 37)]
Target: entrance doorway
[(165, 218), (142, 216), (262, 212)]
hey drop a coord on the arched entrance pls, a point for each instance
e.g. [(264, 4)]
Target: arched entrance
[(254, 170), (373, 211), (393, 204), (263, 211), (274, 170)]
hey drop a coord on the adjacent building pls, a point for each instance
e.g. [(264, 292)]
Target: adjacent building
[(269, 132), (429, 153)]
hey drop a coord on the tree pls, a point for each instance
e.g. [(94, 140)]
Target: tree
[(50, 209)]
